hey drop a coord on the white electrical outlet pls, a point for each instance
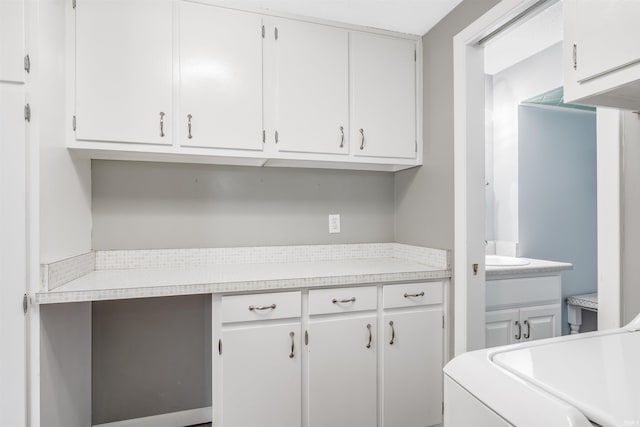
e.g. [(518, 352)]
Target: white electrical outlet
[(334, 223)]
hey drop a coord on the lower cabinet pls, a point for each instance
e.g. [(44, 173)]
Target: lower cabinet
[(412, 368), (340, 357), (261, 374), (522, 309), (343, 372), (522, 324)]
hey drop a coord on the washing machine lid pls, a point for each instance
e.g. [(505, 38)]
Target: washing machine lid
[(599, 375)]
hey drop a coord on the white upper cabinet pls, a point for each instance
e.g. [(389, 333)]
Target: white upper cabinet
[(602, 53), (383, 96), (310, 66), (12, 40), (220, 91), (124, 70), (190, 81)]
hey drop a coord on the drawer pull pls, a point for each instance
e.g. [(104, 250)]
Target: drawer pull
[(393, 333), (341, 136), (519, 334), (262, 307), (370, 335), (189, 117), (343, 301), (362, 139), (293, 345), (528, 333), (419, 294)]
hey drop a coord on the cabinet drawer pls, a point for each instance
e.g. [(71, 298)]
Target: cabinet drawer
[(412, 294), (341, 300), (246, 308)]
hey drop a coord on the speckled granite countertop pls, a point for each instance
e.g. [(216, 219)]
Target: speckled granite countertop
[(153, 273)]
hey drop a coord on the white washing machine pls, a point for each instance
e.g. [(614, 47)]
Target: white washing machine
[(580, 380)]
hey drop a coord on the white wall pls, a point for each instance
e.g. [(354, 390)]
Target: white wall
[(533, 76)]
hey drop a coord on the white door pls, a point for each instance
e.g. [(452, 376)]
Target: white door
[(540, 322), (343, 372), (261, 376), (124, 70), (220, 78), (383, 96), (607, 36), (12, 40), (13, 281), (502, 327), (412, 369), (311, 71)]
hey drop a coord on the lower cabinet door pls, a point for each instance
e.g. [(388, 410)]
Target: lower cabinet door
[(412, 368), (540, 322), (502, 327), (343, 372), (261, 376)]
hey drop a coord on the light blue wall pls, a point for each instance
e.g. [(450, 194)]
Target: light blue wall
[(557, 188)]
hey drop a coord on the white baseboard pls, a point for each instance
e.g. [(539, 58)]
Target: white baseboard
[(172, 419)]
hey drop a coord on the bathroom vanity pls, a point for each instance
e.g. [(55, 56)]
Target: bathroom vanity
[(523, 300)]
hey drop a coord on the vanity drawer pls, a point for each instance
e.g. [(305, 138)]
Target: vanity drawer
[(412, 294), (343, 300), (247, 308)]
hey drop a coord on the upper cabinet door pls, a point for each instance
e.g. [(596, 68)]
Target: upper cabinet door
[(220, 78), (124, 70), (12, 40), (607, 36), (311, 76), (383, 96)]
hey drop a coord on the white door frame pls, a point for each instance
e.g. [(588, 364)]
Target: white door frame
[(469, 188), (469, 199)]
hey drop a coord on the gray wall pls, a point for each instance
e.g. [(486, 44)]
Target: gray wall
[(150, 356), (557, 187), (165, 205), (424, 196)]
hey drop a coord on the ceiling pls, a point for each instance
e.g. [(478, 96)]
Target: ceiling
[(405, 16), (534, 35)]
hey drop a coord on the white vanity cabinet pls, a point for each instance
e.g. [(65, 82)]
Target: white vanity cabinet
[(412, 355), (383, 96), (601, 53), (220, 90), (259, 350), (124, 71), (342, 358), (308, 66), (522, 309)]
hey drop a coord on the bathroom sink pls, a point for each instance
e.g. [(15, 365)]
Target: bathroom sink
[(505, 261)]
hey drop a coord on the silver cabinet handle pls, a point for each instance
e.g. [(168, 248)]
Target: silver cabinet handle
[(293, 345), (420, 294), (262, 307), (519, 334), (189, 117), (343, 301), (370, 335), (341, 136), (362, 139), (161, 124), (393, 333), (528, 333)]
